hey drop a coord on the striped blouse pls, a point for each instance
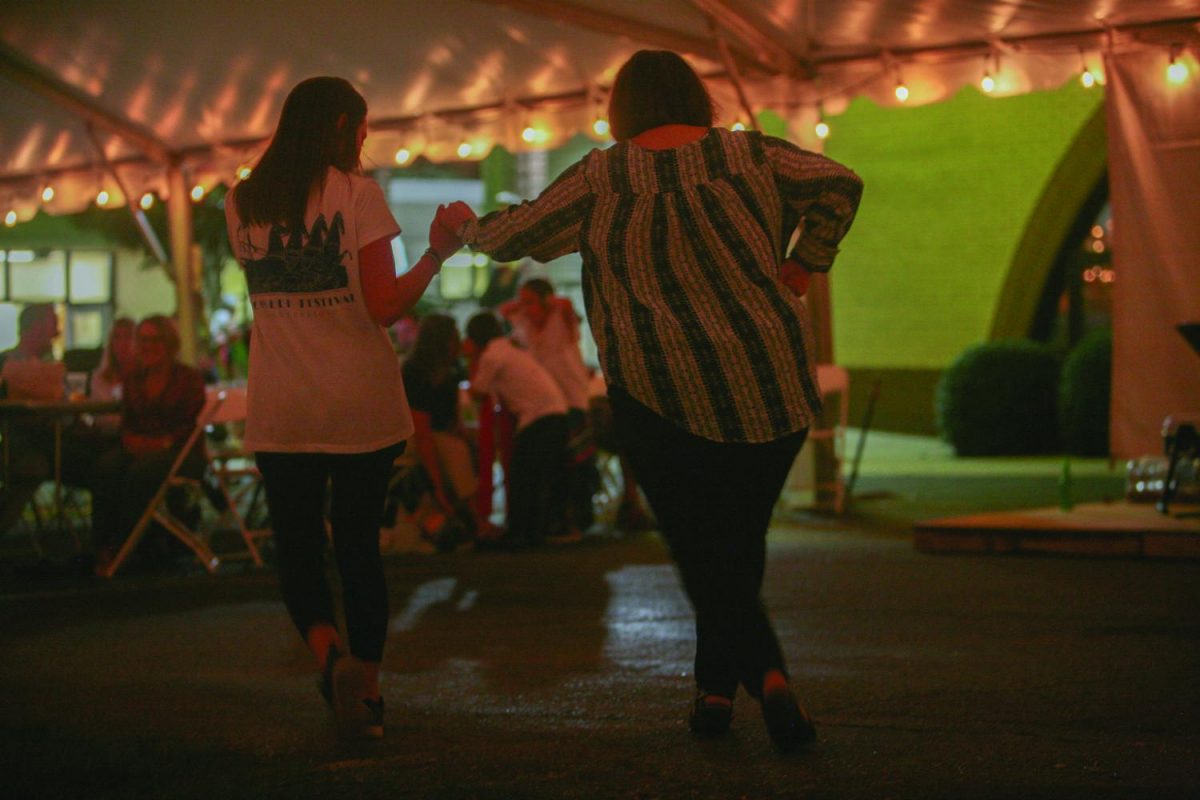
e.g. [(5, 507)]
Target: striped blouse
[(681, 250)]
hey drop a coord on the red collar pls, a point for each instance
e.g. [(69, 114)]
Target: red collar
[(665, 137)]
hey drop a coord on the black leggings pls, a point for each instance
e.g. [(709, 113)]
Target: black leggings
[(713, 501), (296, 484)]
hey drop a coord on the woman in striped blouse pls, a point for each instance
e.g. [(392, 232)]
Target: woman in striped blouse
[(682, 228)]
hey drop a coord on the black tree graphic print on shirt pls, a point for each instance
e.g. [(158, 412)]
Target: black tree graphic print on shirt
[(308, 261)]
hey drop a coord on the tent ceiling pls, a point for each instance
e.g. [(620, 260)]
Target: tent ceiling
[(203, 82)]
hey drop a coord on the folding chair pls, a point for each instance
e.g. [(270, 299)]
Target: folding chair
[(235, 474), (220, 406)]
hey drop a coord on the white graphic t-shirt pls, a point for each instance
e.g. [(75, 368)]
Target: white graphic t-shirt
[(323, 376)]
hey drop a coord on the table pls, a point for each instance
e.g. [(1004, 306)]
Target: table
[(56, 412)]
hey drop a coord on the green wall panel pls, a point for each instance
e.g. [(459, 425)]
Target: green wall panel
[(950, 188)]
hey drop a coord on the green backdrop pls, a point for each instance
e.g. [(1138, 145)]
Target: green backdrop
[(949, 190)]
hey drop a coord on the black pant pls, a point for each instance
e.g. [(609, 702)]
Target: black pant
[(713, 501), (537, 480), (296, 485), (582, 477)]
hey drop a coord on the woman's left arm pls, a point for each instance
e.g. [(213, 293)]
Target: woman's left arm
[(823, 192), (544, 228)]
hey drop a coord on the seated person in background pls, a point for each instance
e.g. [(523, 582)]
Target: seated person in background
[(548, 327), (162, 400), (28, 372), (118, 361), (537, 476), (431, 377)]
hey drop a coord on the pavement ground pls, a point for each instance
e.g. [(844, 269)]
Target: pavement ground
[(565, 672)]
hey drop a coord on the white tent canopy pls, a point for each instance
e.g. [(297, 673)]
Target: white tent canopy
[(170, 97), (201, 84)]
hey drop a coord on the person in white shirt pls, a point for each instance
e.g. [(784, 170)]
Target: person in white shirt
[(537, 476), (325, 399), (548, 327)]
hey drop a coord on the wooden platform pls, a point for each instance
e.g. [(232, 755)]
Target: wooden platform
[(1119, 529)]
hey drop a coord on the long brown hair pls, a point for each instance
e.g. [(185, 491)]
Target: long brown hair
[(318, 128), (431, 350), (109, 369)]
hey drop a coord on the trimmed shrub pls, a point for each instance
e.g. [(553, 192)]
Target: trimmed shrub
[(999, 398), (1083, 395)]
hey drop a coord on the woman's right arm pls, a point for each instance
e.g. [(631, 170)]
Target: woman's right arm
[(388, 296)]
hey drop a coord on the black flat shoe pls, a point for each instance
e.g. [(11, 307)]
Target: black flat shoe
[(788, 723), (710, 716)]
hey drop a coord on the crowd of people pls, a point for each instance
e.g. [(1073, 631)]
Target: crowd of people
[(694, 304)]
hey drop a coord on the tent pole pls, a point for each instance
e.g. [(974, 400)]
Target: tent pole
[(179, 222)]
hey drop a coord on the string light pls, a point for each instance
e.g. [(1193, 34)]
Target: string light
[(822, 127), (600, 126), (737, 126), (532, 135), (901, 91), (464, 149), (243, 172), (47, 194), (10, 218), (198, 192), (1177, 71), (991, 65), (102, 198), (147, 201), (1087, 76), (403, 155)]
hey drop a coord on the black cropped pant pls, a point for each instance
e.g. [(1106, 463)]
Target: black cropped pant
[(713, 501), (296, 485)]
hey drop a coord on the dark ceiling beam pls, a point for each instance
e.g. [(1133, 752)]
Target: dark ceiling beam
[(17, 67), (634, 30), (752, 35)]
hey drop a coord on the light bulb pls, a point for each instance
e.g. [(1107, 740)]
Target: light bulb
[(1177, 72), (403, 155), (464, 150), (10, 218), (197, 192), (243, 173), (901, 92), (1087, 79), (47, 194), (822, 129), (102, 198), (738, 126), (988, 83), (600, 127), (146, 201)]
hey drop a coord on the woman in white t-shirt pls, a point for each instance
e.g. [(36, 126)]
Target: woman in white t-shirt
[(326, 403)]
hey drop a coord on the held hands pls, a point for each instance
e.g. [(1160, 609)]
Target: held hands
[(445, 230)]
